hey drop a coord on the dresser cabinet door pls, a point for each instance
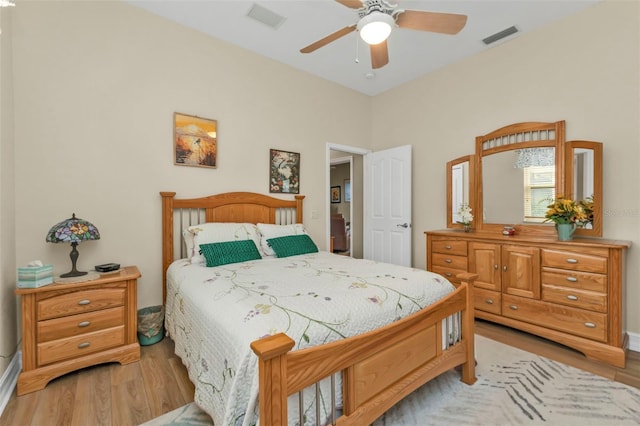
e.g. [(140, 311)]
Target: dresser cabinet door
[(521, 271), (484, 260)]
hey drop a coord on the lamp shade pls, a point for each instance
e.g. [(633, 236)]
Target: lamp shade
[(73, 230), (375, 27)]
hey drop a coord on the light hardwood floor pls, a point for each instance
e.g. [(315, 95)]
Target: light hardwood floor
[(112, 394)]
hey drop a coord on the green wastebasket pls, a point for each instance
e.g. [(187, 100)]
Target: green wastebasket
[(150, 325)]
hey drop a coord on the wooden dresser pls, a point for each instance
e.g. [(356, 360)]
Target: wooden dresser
[(571, 292), (66, 327)]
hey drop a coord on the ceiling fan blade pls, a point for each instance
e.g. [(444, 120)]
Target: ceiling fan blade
[(379, 55), (328, 39), (436, 22), (353, 4)]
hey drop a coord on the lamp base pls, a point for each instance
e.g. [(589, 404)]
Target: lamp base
[(73, 273)]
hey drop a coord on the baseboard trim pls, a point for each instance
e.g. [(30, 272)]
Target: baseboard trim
[(9, 380), (634, 342)]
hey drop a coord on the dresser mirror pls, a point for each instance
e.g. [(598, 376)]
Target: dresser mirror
[(518, 171), (460, 188)]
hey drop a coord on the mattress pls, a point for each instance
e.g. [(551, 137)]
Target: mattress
[(213, 314)]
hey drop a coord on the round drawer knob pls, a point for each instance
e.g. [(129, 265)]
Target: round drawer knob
[(513, 307), (488, 302)]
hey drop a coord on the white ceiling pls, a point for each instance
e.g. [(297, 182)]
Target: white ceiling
[(411, 53)]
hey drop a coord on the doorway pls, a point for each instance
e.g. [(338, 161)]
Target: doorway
[(345, 170)]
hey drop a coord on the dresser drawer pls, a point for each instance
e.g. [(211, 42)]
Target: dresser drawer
[(77, 346), (80, 301), (578, 280), (487, 300), (448, 273), (75, 325), (574, 261), (449, 261), (453, 247), (577, 298), (575, 321)]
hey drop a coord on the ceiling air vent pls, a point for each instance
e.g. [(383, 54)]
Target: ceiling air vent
[(500, 35), (266, 16)]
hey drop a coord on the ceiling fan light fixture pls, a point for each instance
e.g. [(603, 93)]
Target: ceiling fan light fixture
[(375, 27)]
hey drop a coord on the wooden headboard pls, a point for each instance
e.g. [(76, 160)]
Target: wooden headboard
[(241, 207)]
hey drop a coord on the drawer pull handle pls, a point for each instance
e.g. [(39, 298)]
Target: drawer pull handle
[(572, 279), (572, 297), (570, 260), (489, 302), (84, 345), (513, 307), (84, 324), (84, 302), (447, 261), (448, 274), (447, 247), (589, 324)]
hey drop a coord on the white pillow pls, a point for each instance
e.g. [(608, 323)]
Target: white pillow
[(268, 230), (217, 232)]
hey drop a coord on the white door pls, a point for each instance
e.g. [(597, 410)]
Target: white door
[(387, 206)]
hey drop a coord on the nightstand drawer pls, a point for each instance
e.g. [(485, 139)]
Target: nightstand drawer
[(80, 301), (75, 325), (77, 346)]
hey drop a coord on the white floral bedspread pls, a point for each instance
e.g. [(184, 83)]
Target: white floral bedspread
[(213, 314)]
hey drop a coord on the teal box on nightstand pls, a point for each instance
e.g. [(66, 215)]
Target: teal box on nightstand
[(35, 276)]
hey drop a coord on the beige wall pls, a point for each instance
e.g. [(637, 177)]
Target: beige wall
[(583, 69), (8, 307), (95, 85)]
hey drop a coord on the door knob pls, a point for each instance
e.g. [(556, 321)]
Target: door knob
[(403, 225)]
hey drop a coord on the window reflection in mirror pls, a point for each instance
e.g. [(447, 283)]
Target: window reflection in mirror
[(515, 191)]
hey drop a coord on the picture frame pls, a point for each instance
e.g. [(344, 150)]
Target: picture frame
[(195, 141), (284, 172), (347, 190), (335, 194)]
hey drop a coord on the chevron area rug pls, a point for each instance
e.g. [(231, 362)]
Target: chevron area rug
[(514, 387)]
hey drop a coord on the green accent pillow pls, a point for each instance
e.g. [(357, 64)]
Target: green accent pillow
[(292, 245), (223, 253)]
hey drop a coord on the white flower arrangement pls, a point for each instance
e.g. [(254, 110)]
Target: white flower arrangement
[(465, 215)]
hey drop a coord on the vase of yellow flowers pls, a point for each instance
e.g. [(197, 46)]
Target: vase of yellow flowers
[(465, 217), (568, 215)]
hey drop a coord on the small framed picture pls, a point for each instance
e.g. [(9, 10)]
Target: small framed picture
[(284, 172), (335, 194), (195, 141)]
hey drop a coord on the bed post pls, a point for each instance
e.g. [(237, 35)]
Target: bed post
[(299, 199), (167, 238), (272, 366), (468, 329)]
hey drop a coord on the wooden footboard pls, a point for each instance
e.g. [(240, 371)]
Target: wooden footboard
[(378, 368)]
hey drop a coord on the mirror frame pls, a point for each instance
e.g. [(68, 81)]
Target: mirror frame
[(518, 136), (596, 230), (528, 135), (472, 188)]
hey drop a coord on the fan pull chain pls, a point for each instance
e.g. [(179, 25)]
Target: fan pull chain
[(357, 61)]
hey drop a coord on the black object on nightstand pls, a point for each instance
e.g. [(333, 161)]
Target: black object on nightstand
[(107, 267)]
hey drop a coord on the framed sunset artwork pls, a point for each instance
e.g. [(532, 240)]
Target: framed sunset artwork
[(195, 141)]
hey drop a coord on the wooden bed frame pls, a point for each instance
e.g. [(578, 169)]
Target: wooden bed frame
[(379, 368)]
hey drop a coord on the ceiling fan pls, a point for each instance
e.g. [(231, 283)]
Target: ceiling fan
[(378, 17)]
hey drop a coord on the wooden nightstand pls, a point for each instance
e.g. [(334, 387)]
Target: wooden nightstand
[(66, 327)]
